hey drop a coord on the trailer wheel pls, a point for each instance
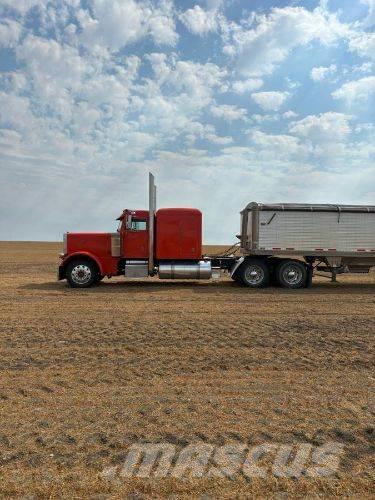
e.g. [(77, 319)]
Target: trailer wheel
[(81, 273), (291, 274), (254, 273)]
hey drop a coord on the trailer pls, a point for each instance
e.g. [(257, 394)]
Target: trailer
[(287, 242), (280, 244)]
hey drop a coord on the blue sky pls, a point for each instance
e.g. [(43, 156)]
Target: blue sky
[(225, 101)]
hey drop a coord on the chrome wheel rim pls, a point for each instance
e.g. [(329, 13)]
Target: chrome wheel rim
[(292, 275), (254, 274), (81, 274)]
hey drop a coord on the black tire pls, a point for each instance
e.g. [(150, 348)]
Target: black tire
[(81, 273), (254, 273), (291, 274)]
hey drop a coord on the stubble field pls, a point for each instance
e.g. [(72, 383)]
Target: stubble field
[(84, 374)]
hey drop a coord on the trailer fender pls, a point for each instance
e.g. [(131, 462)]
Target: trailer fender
[(236, 266)]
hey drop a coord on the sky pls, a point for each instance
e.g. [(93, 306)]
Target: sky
[(225, 101)]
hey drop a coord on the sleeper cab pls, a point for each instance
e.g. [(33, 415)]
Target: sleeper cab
[(178, 234)]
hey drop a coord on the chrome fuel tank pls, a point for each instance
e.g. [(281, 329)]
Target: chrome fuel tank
[(184, 270)]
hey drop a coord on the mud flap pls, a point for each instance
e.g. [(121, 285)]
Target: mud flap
[(236, 266), (309, 277)]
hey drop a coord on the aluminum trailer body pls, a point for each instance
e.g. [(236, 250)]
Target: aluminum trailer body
[(302, 229), (334, 238)]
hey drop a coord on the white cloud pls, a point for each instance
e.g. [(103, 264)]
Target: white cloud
[(289, 114), (228, 112), (363, 44), (366, 67), (200, 21), (162, 26), (369, 20), (275, 35), (173, 103), (49, 62), (195, 78), (135, 144), (270, 101), (117, 23), (159, 64), (215, 4), (258, 118), (278, 145), (320, 73), (221, 140), (325, 127), (356, 91), (243, 86), (292, 84), (198, 130), (9, 33), (365, 127), (15, 111), (22, 6)]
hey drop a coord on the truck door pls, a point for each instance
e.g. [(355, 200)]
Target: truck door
[(135, 237)]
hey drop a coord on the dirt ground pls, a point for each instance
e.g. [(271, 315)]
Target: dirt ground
[(86, 373)]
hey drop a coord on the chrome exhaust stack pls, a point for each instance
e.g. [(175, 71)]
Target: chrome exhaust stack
[(151, 221)]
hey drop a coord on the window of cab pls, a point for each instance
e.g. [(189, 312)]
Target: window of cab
[(138, 225)]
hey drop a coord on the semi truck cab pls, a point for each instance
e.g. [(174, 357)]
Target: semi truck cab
[(167, 242)]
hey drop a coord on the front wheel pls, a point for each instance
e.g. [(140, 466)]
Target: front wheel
[(291, 274), (81, 273), (255, 273)]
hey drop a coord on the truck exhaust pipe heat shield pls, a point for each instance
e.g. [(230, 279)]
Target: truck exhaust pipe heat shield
[(185, 271)]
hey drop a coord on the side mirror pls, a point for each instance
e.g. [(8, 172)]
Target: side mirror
[(129, 222)]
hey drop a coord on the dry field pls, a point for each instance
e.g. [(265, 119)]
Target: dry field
[(86, 373)]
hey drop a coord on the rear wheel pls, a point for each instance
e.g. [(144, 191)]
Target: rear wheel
[(81, 273), (291, 274), (255, 273)]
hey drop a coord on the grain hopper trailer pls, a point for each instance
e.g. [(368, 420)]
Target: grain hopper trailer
[(282, 244)]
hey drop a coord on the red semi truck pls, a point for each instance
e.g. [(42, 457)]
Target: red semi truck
[(280, 244)]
